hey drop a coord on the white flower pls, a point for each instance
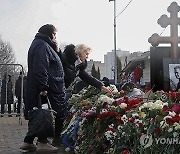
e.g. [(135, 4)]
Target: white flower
[(135, 115), (113, 88), (119, 128), (124, 119), (137, 121), (104, 98), (111, 126), (104, 110), (172, 114), (165, 104), (110, 136), (123, 133), (158, 102), (176, 126), (151, 106), (170, 130), (77, 147), (123, 105)]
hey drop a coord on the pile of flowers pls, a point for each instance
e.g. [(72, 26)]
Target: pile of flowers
[(125, 123)]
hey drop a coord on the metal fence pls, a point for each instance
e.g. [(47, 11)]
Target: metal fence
[(9, 74)]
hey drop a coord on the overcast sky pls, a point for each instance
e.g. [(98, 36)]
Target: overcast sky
[(83, 21)]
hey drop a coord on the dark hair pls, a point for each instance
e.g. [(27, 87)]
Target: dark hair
[(176, 67), (105, 80), (47, 30)]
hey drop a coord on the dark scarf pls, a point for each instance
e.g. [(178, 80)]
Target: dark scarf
[(47, 39)]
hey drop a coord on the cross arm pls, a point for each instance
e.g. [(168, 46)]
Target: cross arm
[(155, 39)]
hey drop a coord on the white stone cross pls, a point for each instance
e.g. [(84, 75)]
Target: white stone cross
[(173, 21)]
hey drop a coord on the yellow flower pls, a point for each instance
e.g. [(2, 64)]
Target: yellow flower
[(143, 114)]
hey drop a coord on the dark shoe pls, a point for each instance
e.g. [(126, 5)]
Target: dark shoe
[(45, 147), (2, 115), (9, 115), (28, 147), (57, 141)]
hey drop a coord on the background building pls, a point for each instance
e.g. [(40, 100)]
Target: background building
[(109, 59), (97, 64)]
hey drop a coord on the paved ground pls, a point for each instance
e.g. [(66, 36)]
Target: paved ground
[(12, 133)]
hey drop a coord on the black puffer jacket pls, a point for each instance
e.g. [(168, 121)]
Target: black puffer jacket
[(9, 91), (45, 73), (68, 60)]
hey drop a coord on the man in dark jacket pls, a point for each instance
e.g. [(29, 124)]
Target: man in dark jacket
[(18, 87), (6, 94), (74, 64), (45, 77)]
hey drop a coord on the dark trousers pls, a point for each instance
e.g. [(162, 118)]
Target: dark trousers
[(19, 105), (2, 108)]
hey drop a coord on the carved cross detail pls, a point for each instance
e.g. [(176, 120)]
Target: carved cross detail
[(173, 21)]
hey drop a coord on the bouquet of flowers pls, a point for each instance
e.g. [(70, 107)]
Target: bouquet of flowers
[(125, 123)]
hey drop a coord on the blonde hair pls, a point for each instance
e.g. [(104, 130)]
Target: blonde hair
[(82, 48)]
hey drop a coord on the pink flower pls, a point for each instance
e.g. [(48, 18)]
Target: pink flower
[(121, 100), (84, 114), (91, 112), (176, 108)]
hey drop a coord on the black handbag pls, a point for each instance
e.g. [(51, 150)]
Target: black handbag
[(41, 121)]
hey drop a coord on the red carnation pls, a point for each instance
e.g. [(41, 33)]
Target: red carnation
[(172, 120), (125, 152), (165, 108), (126, 99), (173, 95)]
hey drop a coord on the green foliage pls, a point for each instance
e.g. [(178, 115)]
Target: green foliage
[(98, 74), (95, 73)]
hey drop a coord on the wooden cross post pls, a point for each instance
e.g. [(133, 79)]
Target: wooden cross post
[(173, 21)]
